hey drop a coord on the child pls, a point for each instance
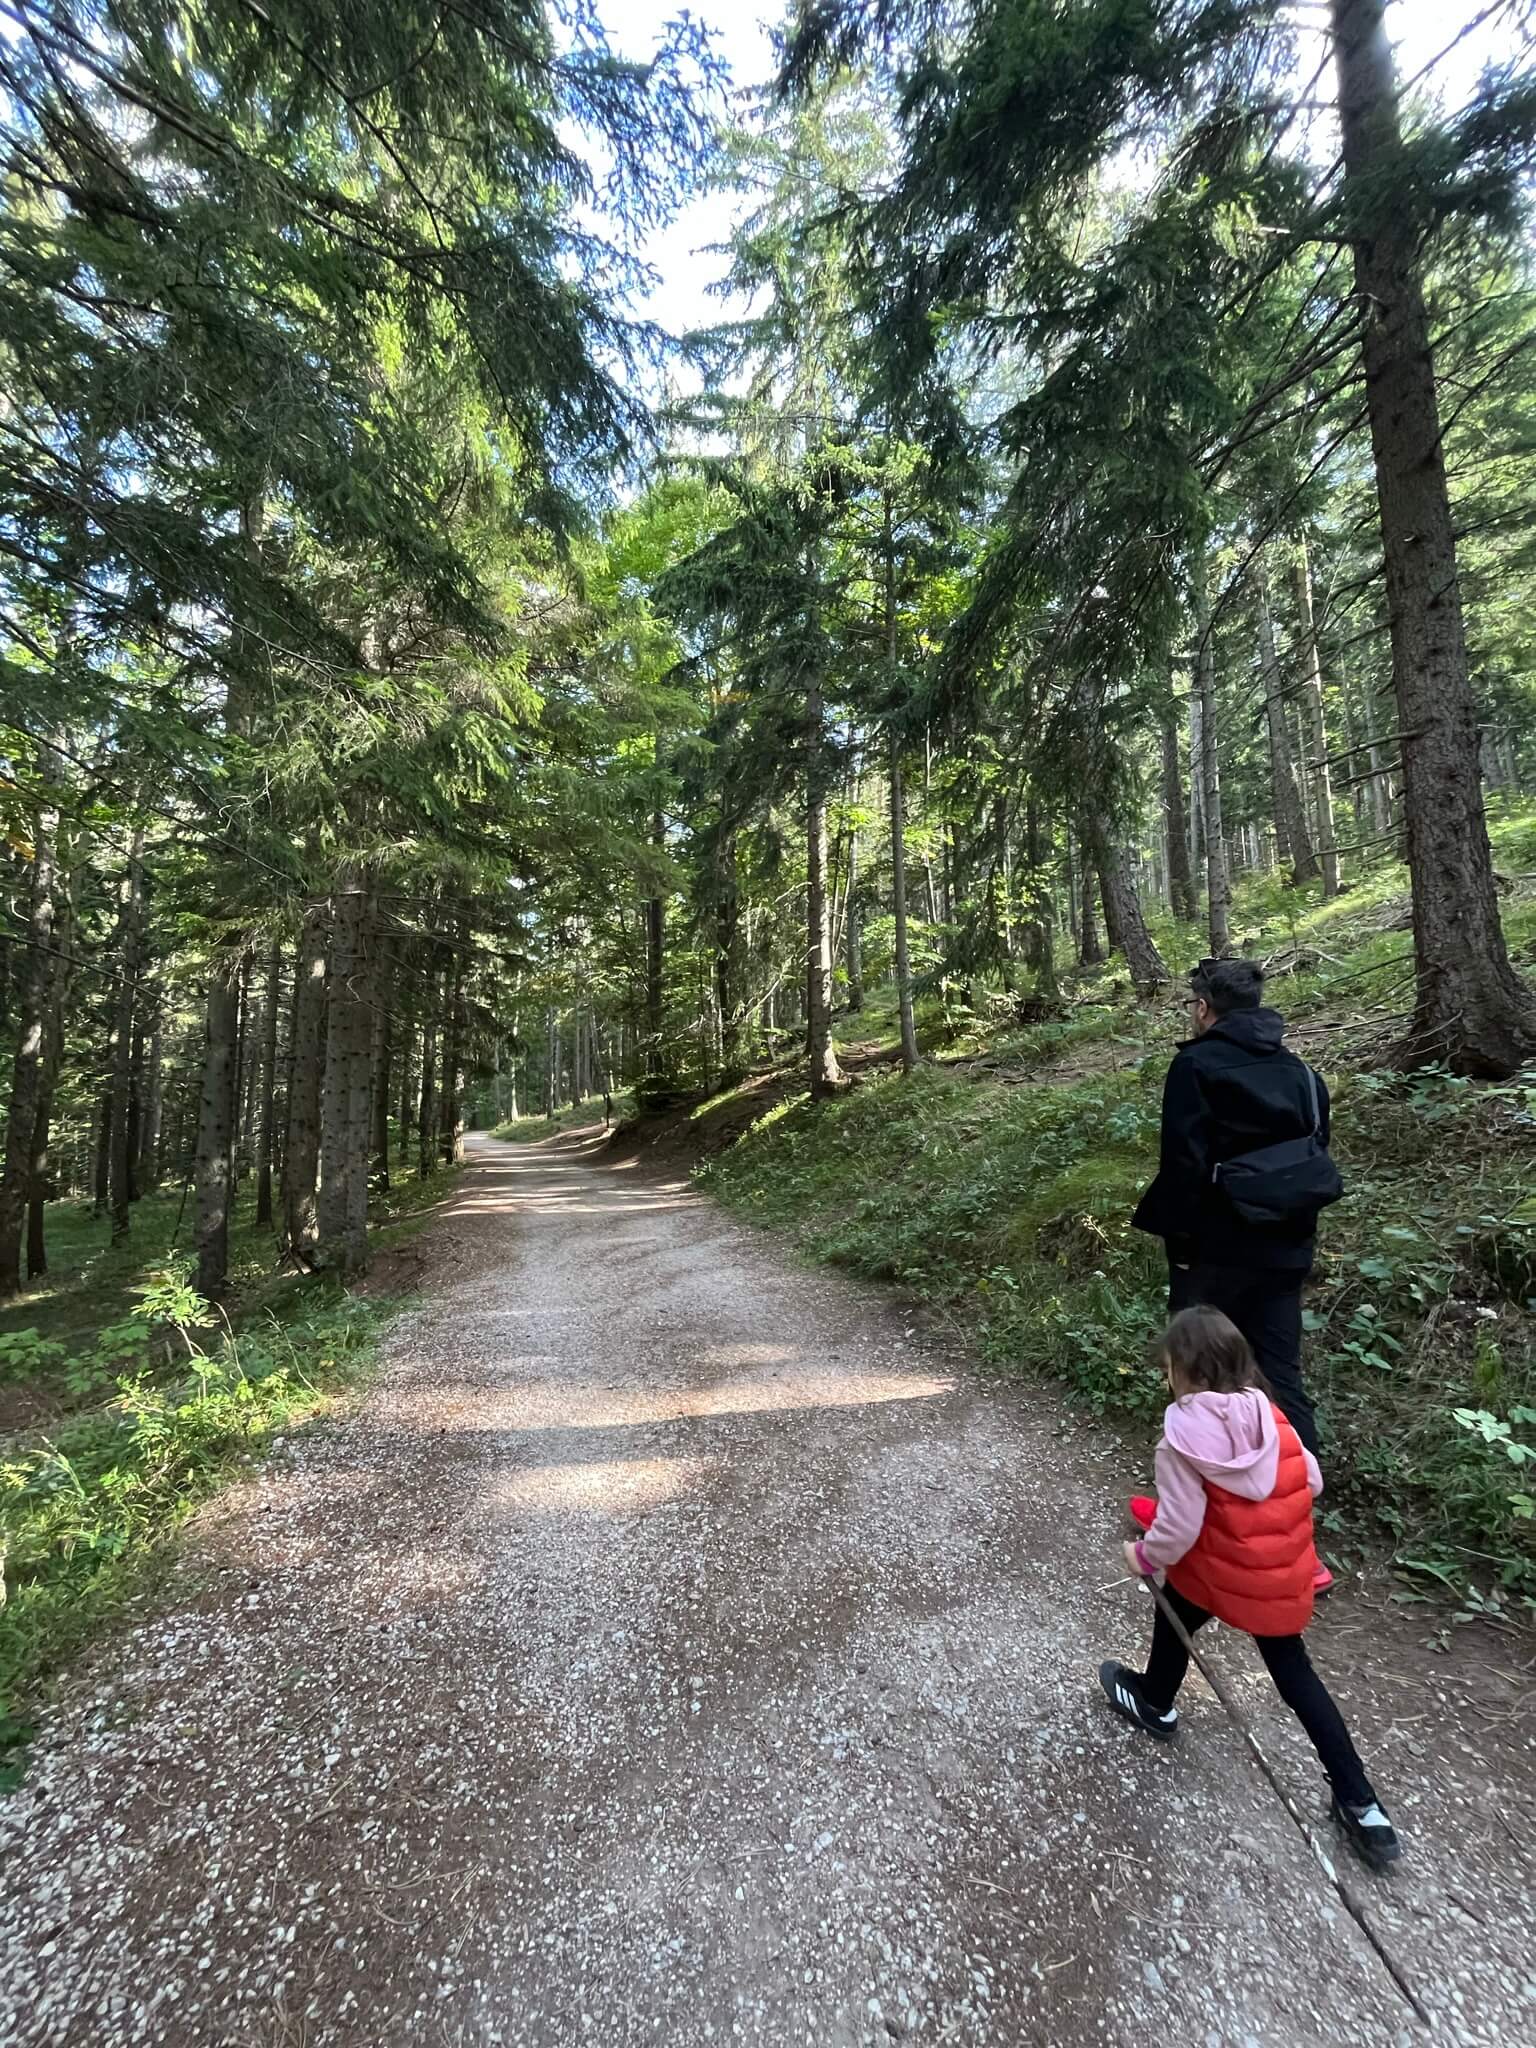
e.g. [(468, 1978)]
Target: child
[(1233, 1533)]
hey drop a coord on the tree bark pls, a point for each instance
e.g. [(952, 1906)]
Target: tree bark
[(342, 1244), (121, 1151), (306, 1068), (1290, 817), (908, 1023), (450, 1115), (101, 1173), (728, 977), (152, 1110), (826, 1075), (1040, 931), (1148, 971), (216, 1124), (383, 1048), (1316, 730), (655, 961), (1196, 792), (407, 1103), (1217, 882), (39, 972), (245, 1067), (426, 1107), (853, 937), (1090, 952), (266, 1086), (1181, 882), (1470, 1008), (1109, 899), (41, 1189)]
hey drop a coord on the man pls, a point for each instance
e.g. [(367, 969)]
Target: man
[(1232, 1089)]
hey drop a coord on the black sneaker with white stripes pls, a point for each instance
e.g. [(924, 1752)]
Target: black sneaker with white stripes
[(1369, 1833), (1122, 1688)]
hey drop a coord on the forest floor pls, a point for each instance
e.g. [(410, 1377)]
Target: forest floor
[(677, 1644)]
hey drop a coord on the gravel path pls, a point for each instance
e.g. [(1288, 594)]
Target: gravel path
[(678, 1646)]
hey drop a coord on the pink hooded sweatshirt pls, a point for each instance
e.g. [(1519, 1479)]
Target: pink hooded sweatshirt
[(1226, 1440)]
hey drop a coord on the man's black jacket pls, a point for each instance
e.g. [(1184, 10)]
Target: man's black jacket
[(1230, 1091)]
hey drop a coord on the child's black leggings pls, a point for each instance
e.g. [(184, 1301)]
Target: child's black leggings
[(1297, 1683)]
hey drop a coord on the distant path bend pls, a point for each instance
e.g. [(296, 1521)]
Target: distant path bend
[(676, 1646)]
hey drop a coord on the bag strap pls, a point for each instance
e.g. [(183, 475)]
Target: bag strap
[(1317, 1114)]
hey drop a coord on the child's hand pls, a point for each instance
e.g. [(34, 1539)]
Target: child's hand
[(1134, 1561)]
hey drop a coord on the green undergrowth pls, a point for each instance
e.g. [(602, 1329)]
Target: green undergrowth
[(126, 1400), (527, 1130), (1006, 1203), (1339, 970)]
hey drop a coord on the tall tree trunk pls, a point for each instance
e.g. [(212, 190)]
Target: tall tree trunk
[(345, 1095), (266, 1086), (383, 1078), (1000, 890), (1181, 882), (41, 1189), (1069, 870), (216, 1123), (908, 1024), (408, 1091), (450, 1113), (39, 972), (120, 1143), (1041, 928), (306, 1068), (1290, 817), (826, 1075), (1217, 883), (1316, 730), (101, 1179), (1090, 952), (1470, 1007), (245, 1067), (655, 961), (37, 1199), (1148, 971), (853, 938), (426, 1108), (1109, 898), (1196, 792), (152, 1113), (728, 963)]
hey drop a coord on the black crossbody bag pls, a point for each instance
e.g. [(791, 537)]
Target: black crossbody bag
[(1287, 1183)]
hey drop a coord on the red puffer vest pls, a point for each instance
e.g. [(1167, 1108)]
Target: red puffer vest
[(1253, 1563)]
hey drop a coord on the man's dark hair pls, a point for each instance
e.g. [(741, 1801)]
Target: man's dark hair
[(1229, 984)]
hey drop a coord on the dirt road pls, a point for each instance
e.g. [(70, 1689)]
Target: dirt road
[(676, 1646)]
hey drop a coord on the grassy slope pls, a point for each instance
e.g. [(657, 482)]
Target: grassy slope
[(112, 1428), (527, 1130), (1001, 1186)]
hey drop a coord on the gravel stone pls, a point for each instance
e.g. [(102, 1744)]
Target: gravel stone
[(679, 1646)]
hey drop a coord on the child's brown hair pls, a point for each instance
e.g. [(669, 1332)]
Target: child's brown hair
[(1206, 1353)]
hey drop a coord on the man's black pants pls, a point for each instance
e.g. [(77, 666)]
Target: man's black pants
[(1266, 1307)]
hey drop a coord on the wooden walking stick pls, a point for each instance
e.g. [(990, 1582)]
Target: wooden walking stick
[(1354, 1905)]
